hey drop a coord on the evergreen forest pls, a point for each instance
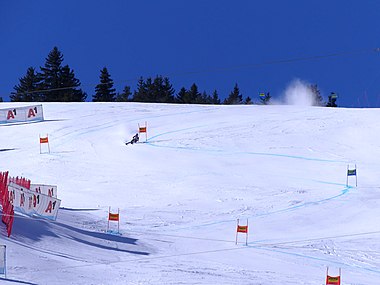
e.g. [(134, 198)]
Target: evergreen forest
[(57, 82)]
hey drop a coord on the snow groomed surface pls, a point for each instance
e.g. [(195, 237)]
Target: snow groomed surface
[(180, 193)]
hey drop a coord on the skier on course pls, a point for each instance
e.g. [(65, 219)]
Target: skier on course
[(135, 139)]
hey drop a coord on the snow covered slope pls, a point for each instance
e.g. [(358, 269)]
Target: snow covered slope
[(203, 167)]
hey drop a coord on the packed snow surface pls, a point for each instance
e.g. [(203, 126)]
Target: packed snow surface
[(181, 191)]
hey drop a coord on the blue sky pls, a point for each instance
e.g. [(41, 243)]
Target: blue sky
[(213, 43)]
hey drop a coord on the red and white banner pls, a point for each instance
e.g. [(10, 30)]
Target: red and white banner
[(21, 114), (49, 190), (32, 203)]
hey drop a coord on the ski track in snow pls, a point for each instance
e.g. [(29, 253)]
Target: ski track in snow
[(69, 135), (343, 191), (150, 141)]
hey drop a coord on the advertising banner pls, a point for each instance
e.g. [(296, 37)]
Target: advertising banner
[(21, 114), (49, 190), (33, 203)]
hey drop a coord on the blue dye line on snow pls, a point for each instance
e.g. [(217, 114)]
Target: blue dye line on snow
[(295, 157), (345, 191), (373, 270), (240, 152)]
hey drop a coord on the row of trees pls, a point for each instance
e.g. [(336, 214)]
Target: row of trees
[(56, 82), (53, 83)]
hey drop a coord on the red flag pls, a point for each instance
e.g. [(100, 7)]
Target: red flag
[(333, 280), (113, 217), (44, 140), (242, 229)]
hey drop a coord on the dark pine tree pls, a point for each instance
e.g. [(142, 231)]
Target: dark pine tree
[(167, 92), (332, 100), (181, 96), (141, 93), (1, 99), (193, 95), (154, 89), (202, 98), (59, 83), (150, 95), (71, 93), (104, 91), (317, 98), (248, 101), (26, 90), (215, 98), (51, 76), (157, 90), (265, 100), (124, 96), (234, 98), (208, 98)]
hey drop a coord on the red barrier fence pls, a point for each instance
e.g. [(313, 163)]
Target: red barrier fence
[(23, 182), (8, 212), (15, 191)]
